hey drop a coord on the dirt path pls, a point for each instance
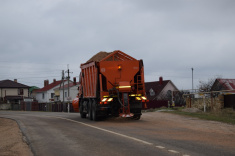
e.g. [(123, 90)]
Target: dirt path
[(11, 139)]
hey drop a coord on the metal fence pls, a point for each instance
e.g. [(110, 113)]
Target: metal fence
[(54, 107)]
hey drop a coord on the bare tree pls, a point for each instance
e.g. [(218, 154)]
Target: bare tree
[(206, 86), (178, 97)]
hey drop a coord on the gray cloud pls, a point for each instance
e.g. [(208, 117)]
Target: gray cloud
[(170, 36)]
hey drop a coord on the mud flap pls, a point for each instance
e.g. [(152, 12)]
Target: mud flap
[(126, 106)]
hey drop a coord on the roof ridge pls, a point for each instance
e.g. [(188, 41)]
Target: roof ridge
[(50, 86), (12, 84)]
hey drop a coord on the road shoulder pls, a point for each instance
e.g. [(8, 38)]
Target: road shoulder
[(12, 142)]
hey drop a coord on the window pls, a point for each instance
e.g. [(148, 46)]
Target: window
[(52, 95), (42, 95), (152, 93), (65, 94), (20, 91)]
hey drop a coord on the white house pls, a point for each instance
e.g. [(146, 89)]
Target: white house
[(73, 92), (46, 94)]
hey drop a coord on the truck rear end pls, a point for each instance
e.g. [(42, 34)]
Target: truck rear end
[(112, 84)]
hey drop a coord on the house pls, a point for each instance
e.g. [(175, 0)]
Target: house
[(32, 91), (73, 91), (12, 91), (227, 88), (46, 94), (224, 84), (158, 90)]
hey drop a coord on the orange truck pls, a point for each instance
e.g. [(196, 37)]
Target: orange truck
[(111, 84)]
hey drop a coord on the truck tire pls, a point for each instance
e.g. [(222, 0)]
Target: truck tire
[(90, 110), (136, 117), (94, 111), (83, 115)]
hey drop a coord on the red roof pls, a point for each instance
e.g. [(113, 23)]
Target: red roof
[(229, 84), (50, 86), (71, 84)]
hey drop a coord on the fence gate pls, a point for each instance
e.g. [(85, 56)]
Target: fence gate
[(28, 106)]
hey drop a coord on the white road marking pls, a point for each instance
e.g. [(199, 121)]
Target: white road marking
[(161, 147), (173, 151), (105, 130)]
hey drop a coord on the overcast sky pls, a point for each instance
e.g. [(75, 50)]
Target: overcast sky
[(39, 38)]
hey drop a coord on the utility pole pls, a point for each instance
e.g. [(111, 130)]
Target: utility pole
[(64, 106), (68, 85), (192, 79)]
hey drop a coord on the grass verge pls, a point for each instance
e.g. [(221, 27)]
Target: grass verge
[(225, 115)]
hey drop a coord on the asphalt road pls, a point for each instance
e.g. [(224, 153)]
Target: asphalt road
[(50, 133)]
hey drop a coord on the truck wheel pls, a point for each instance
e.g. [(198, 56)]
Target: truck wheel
[(94, 111), (83, 115), (90, 110), (136, 117)]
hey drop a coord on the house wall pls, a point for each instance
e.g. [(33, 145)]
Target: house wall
[(73, 91), (39, 97), (47, 96), (169, 86), (33, 95), (12, 92)]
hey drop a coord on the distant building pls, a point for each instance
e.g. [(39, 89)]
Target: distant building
[(227, 88), (12, 91), (46, 94), (158, 90), (73, 91), (32, 91), (224, 84)]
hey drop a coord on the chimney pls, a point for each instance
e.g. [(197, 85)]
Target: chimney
[(46, 83), (54, 81), (15, 80), (160, 80), (74, 80)]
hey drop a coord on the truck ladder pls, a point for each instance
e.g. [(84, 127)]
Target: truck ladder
[(139, 83)]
